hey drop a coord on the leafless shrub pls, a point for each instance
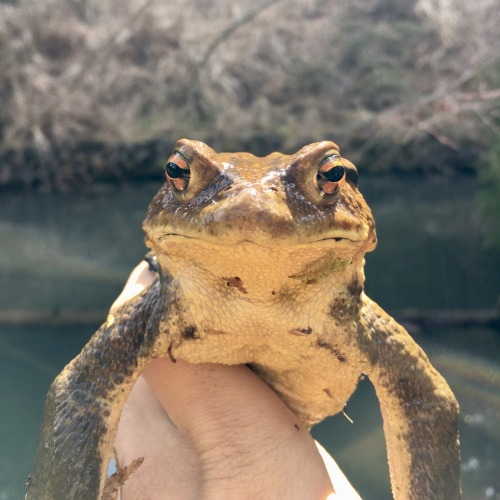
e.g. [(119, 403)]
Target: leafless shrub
[(128, 70)]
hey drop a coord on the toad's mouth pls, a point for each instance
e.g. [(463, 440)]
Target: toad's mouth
[(351, 237)]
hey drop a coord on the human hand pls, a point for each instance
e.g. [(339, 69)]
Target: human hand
[(215, 431)]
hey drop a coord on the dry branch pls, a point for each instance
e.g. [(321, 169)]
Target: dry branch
[(364, 72)]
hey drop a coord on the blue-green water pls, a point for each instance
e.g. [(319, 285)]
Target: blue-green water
[(71, 253)]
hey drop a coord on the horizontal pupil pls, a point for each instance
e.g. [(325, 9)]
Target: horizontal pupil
[(335, 174), (175, 172)]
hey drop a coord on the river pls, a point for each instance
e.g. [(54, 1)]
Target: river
[(64, 257)]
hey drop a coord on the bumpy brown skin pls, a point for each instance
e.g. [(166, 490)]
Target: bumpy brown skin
[(259, 264), (84, 403)]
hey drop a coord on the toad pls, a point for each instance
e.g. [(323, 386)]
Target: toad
[(260, 262)]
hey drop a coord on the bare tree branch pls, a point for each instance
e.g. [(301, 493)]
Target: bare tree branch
[(199, 90), (419, 102), (107, 47), (226, 33)]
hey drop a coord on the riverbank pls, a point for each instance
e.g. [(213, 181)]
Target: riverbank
[(73, 166), (90, 92)]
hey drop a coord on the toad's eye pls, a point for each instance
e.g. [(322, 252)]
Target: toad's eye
[(331, 174), (177, 172)]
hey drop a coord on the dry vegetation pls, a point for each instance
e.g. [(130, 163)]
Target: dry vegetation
[(389, 79)]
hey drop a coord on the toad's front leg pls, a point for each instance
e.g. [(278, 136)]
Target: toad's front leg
[(419, 411), (84, 403)]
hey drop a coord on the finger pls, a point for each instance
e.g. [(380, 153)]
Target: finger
[(169, 461), (240, 428), (343, 488), (140, 278)]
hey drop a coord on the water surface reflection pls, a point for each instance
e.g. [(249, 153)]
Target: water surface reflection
[(64, 257)]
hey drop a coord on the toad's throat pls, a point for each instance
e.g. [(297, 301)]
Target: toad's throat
[(255, 272)]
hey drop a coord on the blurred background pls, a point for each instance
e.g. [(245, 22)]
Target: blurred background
[(93, 94)]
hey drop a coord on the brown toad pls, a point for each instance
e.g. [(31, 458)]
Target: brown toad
[(261, 263)]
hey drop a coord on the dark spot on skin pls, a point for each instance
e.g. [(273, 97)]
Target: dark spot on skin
[(354, 289), (235, 282), (347, 305), (328, 393), (325, 345), (273, 293), (189, 332), (170, 355), (296, 426), (301, 331)]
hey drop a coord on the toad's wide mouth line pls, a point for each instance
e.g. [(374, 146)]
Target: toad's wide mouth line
[(268, 242)]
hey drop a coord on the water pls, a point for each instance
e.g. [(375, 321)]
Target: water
[(65, 257)]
